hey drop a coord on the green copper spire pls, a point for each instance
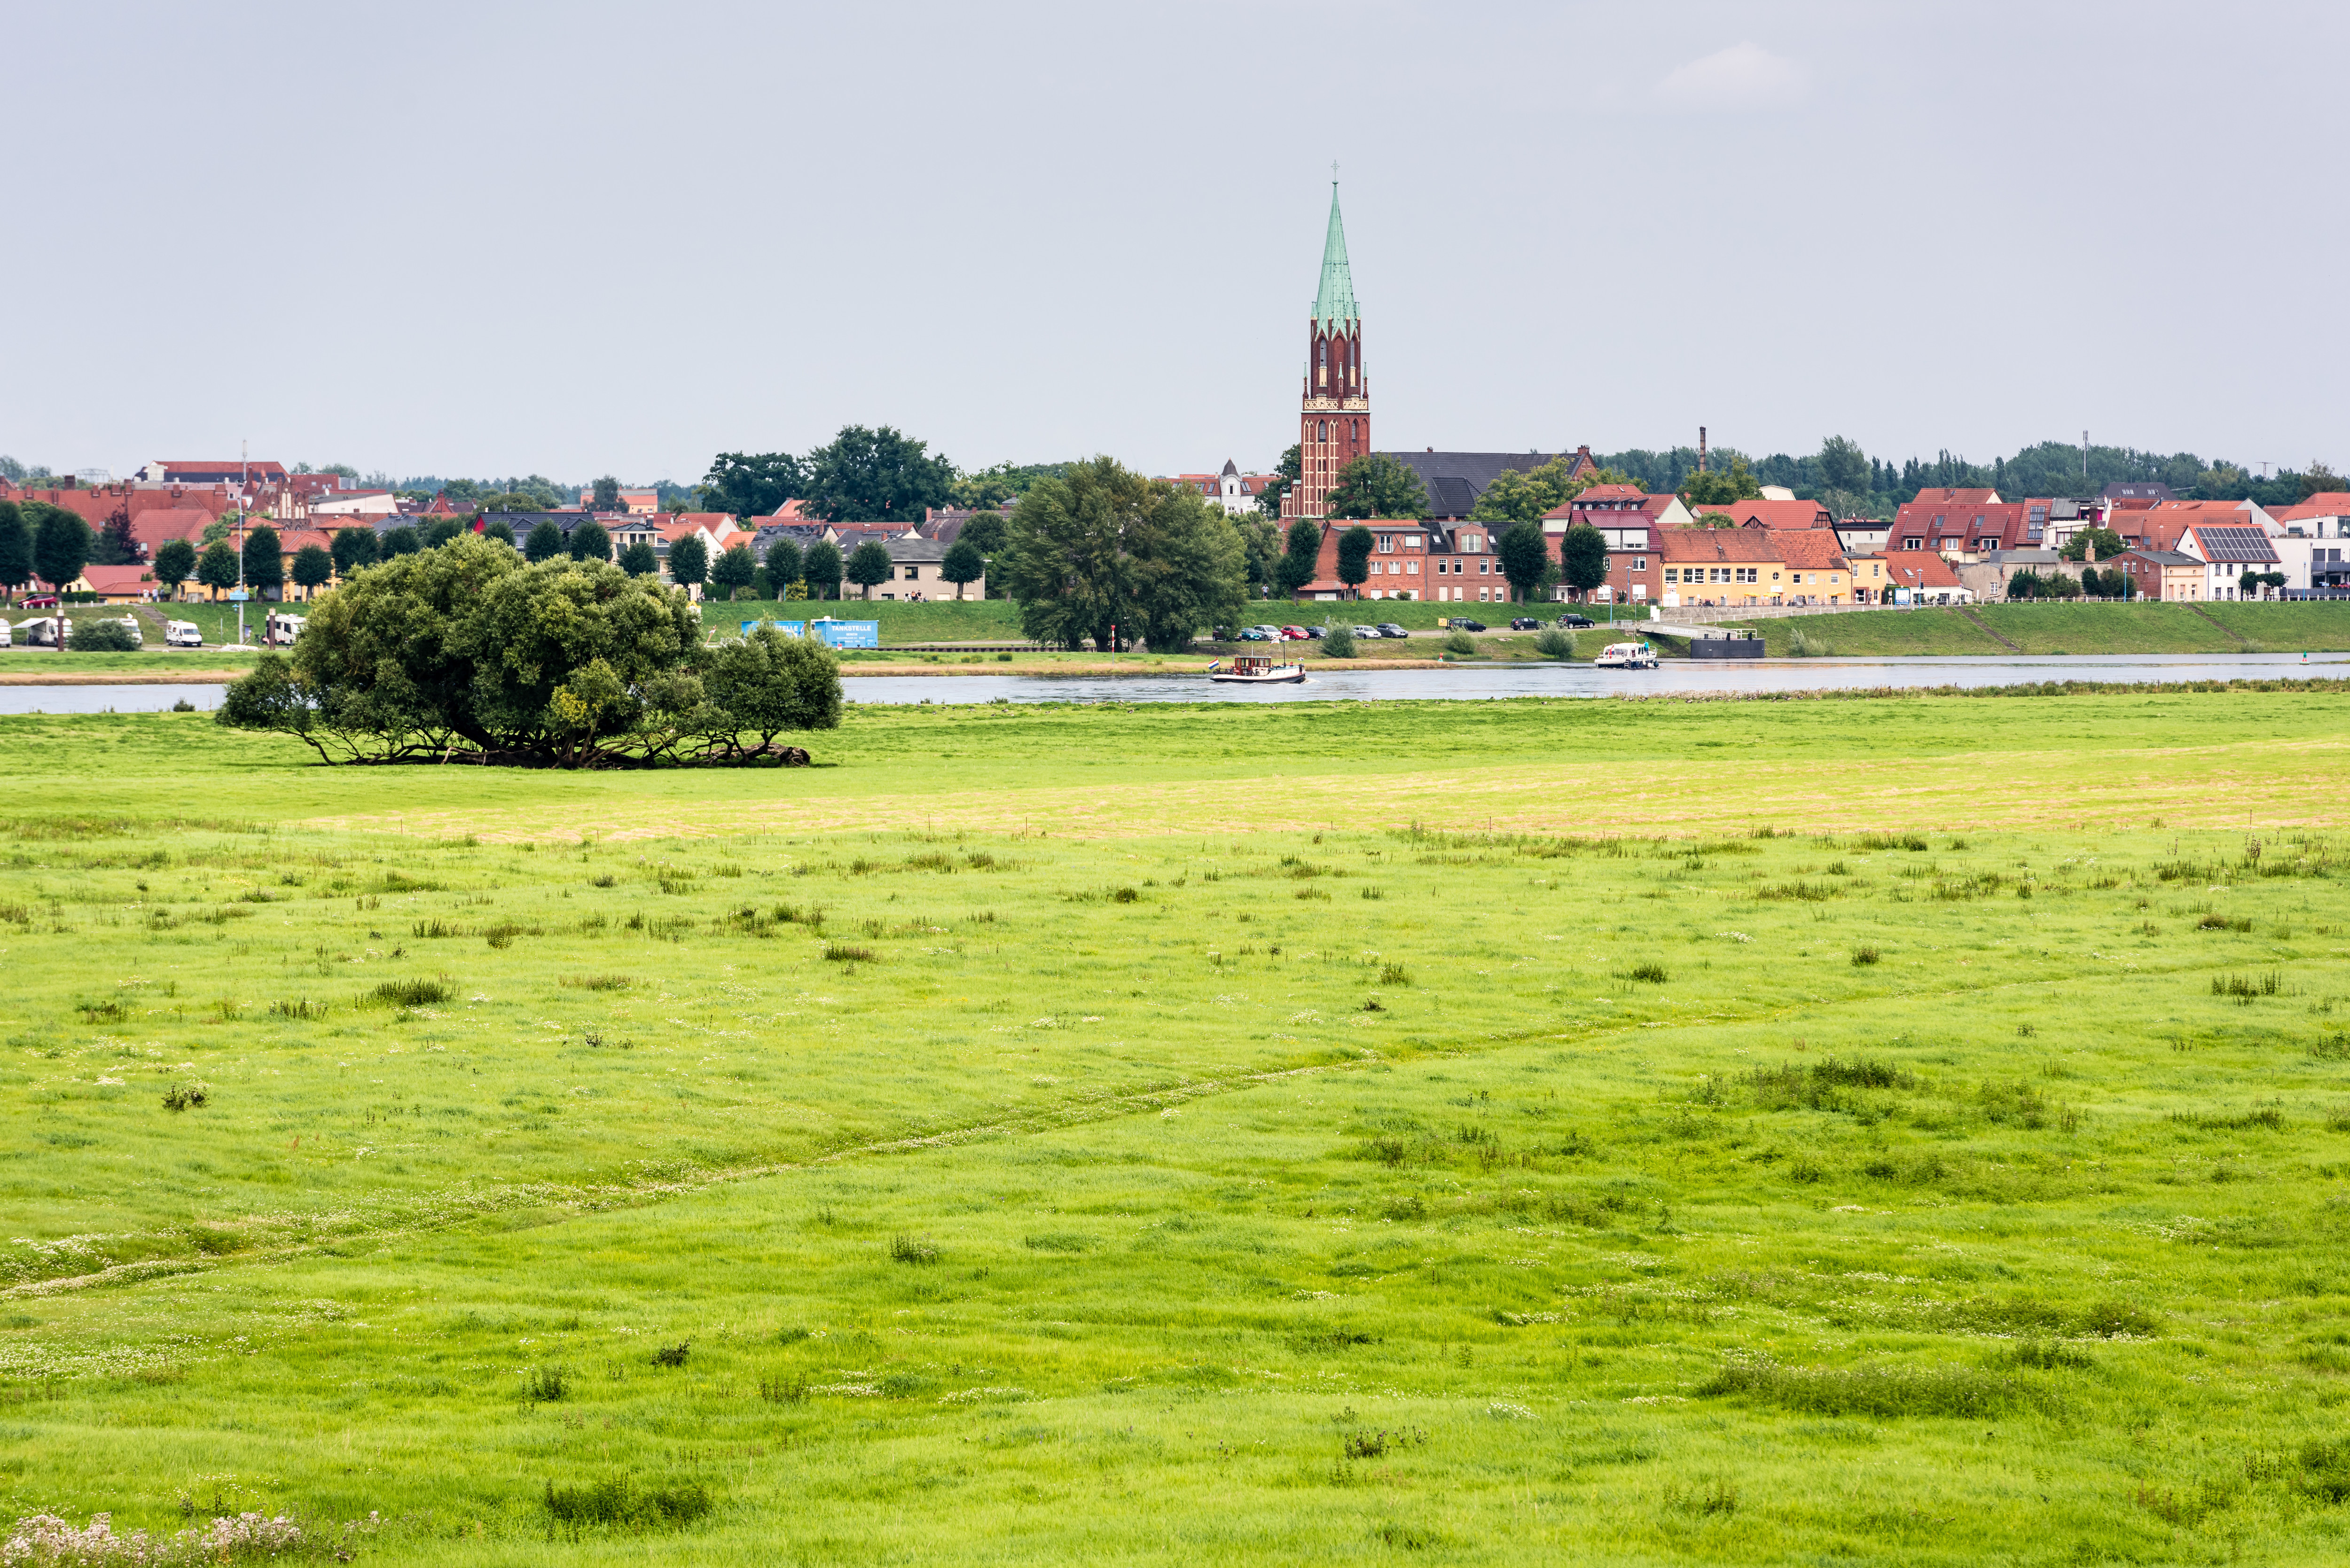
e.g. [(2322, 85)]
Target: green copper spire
[(1337, 301)]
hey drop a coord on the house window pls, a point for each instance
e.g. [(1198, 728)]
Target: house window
[(914, 574), (1484, 567), (1640, 563), (1913, 544), (1387, 544), (1412, 567)]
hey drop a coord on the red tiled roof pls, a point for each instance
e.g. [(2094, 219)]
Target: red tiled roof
[(1810, 549), (1721, 546), (1956, 526), (1918, 569), (1957, 498), (1758, 514), (118, 579), (158, 525)]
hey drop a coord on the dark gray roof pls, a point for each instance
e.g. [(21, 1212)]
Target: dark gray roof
[(2165, 558), (2136, 490), (1455, 479), (522, 523), (913, 548)]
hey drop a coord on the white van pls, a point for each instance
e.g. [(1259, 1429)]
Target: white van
[(183, 634), (138, 638), (4, 640), (41, 631), (280, 629)]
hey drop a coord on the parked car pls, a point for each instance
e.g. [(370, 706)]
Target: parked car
[(1389, 629), (1294, 633), (1256, 634), (1367, 632), (1524, 623), (1317, 633), (1575, 620), (1459, 624), (183, 634)]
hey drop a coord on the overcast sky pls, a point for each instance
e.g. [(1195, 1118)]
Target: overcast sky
[(502, 236)]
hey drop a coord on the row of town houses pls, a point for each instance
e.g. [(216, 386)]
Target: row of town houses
[(1946, 546), (168, 501)]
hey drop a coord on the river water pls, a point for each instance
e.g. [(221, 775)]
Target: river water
[(1463, 682)]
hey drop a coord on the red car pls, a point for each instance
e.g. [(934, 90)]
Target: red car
[(1296, 634)]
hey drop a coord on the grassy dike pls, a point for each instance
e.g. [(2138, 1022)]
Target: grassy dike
[(1904, 1130)]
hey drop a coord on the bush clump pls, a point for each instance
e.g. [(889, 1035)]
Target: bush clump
[(106, 635), (1339, 643), (621, 1502)]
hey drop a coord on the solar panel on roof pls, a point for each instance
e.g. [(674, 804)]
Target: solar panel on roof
[(2236, 544)]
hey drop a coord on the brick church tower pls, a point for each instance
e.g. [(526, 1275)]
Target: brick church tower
[(1335, 421)]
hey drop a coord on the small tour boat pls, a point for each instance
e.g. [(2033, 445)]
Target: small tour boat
[(1255, 669), (1627, 656)]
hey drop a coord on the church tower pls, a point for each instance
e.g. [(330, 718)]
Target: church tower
[(1335, 421)]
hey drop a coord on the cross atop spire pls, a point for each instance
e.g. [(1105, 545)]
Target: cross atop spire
[(1335, 303)]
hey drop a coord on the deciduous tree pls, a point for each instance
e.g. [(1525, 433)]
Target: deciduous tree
[(869, 565), (1523, 556), (588, 542), (217, 567), (604, 495), (1354, 547), (820, 569), (1720, 489), (1377, 485), (876, 476), (754, 484), (61, 545), (175, 563), (734, 568), (783, 564), (640, 560), (1301, 556), (544, 541), (689, 561), (265, 558), (15, 548), (963, 564), (312, 566), (1284, 478), (2103, 541), (1582, 559)]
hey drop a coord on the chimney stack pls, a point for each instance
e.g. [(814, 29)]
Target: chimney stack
[(1701, 449)]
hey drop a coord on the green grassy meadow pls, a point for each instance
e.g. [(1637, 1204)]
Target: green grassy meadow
[(1863, 1131)]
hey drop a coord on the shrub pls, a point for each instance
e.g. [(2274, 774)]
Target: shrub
[(1340, 643), (906, 1249), (107, 635), (1555, 644), (1461, 642), (841, 952), (1863, 956), (412, 992), (2222, 923), (1882, 1391), (1801, 644), (619, 1502), (673, 1355), (1125, 895), (1394, 974), (545, 1385), (1650, 973), (185, 1097)]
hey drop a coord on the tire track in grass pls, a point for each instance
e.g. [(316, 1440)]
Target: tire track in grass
[(576, 1200)]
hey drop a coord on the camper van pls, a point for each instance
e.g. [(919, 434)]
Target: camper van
[(280, 629), (183, 634), (41, 631)]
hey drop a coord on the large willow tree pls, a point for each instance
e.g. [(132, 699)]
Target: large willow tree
[(463, 653)]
